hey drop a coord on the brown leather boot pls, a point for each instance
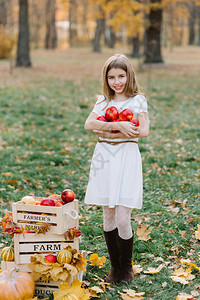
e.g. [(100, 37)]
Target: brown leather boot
[(125, 257), (111, 238)]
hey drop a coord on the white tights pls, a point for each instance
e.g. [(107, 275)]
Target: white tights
[(120, 217)]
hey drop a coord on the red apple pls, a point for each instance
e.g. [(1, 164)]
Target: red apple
[(50, 258), (101, 118), (67, 196), (47, 202), (135, 122), (111, 113), (115, 131), (126, 115)]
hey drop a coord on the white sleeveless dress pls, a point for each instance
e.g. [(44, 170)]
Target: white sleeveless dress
[(116, 170)]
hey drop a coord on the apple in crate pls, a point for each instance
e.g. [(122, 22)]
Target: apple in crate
[(50, 258), (126, 115), (101, 118), (67, 196), (111, 113), (135, 122), (47, 202)]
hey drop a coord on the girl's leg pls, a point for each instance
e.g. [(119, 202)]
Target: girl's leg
[(109, 222), (125, 242), (111, 237), (123, 220)]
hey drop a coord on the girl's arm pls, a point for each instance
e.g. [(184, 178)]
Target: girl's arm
[(141, 131), (127, 128)]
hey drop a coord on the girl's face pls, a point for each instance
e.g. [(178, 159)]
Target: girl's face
[(117, 79)]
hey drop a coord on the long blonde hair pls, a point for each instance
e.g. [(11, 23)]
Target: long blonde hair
[(122, 62)]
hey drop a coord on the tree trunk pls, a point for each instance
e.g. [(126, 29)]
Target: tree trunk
[(110, 37), (73, 34), (100, 29), (198, 17), (192, 11), (51, 34), (3, 12), (136, 47), (23, 59), (153, 35)]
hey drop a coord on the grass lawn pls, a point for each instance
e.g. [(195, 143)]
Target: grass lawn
[(45, 149)]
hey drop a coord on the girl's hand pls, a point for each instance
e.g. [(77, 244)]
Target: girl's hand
[(128, 129), (103, 134)]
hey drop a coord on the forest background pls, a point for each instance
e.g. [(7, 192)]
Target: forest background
[(51, 54)]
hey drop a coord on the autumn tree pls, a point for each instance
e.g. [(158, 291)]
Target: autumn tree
[(3, 12), (100, 29), (73, 33), (23, 59), (153, 33), (51, 34)]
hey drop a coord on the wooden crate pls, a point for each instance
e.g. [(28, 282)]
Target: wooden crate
[(60, 218), (42, 287), (26, 245)]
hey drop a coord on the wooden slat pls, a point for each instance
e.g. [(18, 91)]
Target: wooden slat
[(42, 247), (36, 218)]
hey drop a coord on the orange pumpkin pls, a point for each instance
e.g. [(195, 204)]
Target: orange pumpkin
[(64, 256), (16, 285), (7, 254)]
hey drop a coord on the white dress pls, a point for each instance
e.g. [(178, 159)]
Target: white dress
[(116, 170)]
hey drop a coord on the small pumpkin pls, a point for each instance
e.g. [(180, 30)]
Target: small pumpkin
[(64, 256), (7, 254), (16, 285)]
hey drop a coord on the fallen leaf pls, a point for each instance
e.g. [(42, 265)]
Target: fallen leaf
[(183, 296), (143, 233), (75, 291), (151, 270), (137, 269), (95, 260), (197, 233)]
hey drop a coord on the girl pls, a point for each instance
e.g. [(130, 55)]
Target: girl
[(116, 170)]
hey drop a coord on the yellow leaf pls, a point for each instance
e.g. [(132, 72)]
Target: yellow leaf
[(154, 270), (75, 291), (197, 233), (95, 290), (137, 269), (143, 233), (181, 280), (183, 296), (131, 295), (95, 260)]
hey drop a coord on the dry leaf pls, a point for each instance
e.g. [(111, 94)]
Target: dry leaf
[(182, 276), (95, 290), (131, 294), (197, 233), (143, 233), (151, 270), (181, 280), (183, 296), (75, 291), (137, 269), (95, 260)]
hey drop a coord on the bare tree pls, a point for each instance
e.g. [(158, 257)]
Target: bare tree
[(73, 34), (3, 12), (100, 29), (51, 34), (153, 34), (23, 59), (192, 11)]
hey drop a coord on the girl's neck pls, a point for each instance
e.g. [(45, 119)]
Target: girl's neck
[(120, 98)]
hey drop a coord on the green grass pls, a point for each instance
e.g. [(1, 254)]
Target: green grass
[(46, 149)]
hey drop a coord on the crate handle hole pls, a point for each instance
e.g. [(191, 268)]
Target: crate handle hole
[(70, 214)]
